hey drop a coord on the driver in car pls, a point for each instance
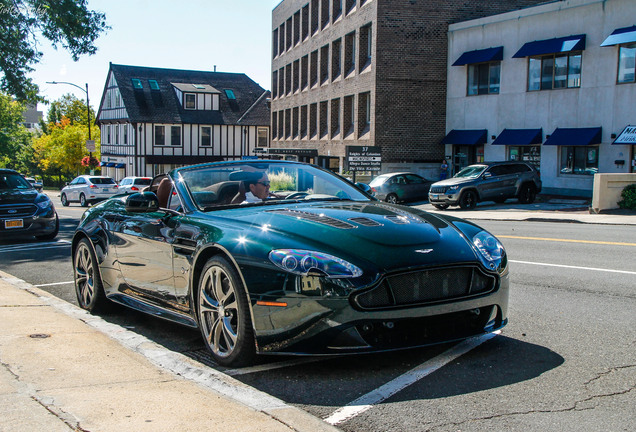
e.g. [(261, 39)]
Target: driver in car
[(258, 188)]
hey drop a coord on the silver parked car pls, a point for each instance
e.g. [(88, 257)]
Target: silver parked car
[(488, 181), (397, 187), (36, 184), (133, 184), (87, 189)]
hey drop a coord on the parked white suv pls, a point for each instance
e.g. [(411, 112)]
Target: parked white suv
[(133, 184), (87, 189), (488, 181)]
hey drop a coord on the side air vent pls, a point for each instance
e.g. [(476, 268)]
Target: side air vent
[(318, 218)]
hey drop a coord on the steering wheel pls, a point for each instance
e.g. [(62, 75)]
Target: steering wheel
[(297, 195)]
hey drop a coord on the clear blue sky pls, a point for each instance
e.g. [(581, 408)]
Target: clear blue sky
[(188, 34)]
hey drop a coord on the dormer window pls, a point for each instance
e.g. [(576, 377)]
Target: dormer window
[(136, 83), (190, 101)]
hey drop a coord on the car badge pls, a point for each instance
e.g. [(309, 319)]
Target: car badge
[(12, 211), (424, 251)]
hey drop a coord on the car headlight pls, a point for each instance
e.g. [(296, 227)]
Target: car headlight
[(302, 262), (452, 190), (491, 250), (44, 203)]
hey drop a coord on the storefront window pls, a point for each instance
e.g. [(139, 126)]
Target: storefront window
[(580, 160), (529, 154)]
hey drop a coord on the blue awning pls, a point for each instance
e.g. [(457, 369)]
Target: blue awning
[(110, 164), (102, 164), (551, 46), (621, 36), (466, 137), (575, 136), (519, 137), (480, 56), (120, 165)]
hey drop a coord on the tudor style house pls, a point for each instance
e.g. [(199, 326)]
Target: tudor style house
[(153, 119)]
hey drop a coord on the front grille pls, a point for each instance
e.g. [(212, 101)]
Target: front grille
[(426, 286), (438, 189), (17, 210)]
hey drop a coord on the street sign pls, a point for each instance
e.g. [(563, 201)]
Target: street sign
[(628, 136), (90, 145), (362, 158)]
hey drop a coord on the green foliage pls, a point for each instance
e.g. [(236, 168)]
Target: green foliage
[(67, 23), (629, 198), (281, 181), (14, 137), (70, 107)]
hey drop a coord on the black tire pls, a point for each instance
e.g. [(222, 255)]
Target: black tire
[(440, 206), (224, 315), (527, 194), (88, 283), (392, 198), (83, 201), (64, 200), (468, 200), (52, 235)]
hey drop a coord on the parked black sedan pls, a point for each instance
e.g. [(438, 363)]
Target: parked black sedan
[(284, 257), (23, 210), (398, 187)]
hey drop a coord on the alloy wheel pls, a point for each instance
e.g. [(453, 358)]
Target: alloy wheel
[(84, 275)]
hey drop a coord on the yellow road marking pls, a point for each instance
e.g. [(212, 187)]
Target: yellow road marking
[(566, 240)]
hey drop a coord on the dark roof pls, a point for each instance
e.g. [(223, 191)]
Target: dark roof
[(162, 106)]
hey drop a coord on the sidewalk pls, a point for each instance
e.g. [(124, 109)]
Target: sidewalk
[(62, 369), (549, 209)]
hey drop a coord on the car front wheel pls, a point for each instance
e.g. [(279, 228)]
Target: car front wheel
[(88, 283), (468, 200), (223, 314)]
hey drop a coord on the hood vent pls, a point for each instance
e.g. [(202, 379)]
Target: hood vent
[(365, 221), (313, 217)]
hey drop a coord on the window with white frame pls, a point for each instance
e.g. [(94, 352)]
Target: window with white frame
[(175, 135), (261, 139), (484, 78), (160, 135), (554, 71), (206, 136), (190, 101), (626, 63)]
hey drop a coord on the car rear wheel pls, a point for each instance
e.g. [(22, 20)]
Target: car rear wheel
[(52, 235), (527, 194), (440, 206), (83, 201), (392, 198), (88, 283), (223, 314), (468, 200), (64, 200)]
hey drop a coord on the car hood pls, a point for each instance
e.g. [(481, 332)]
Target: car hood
[(393, 235), (18, 196), (455, 181)]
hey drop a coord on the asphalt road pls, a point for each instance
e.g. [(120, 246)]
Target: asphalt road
[(565, 361)]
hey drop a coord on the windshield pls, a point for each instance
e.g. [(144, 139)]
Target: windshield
[(471, 171), (263, 182), (10, 181)]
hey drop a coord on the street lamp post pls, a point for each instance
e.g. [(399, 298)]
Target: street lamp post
[(88, 108)]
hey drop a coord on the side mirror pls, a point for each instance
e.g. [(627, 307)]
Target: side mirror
[(145, 202), (487, 174), (364, 188)]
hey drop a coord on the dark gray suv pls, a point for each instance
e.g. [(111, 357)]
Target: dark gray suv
[(488, 181)]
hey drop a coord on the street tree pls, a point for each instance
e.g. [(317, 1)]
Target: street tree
[(14, 137), (68, 23)]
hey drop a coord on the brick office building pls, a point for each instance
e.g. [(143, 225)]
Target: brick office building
[(366, 73)]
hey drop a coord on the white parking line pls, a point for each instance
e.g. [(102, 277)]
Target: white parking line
[(384, 392), (55, 283), (574, 267)]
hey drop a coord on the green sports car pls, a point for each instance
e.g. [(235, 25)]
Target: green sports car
[(285, 257)]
